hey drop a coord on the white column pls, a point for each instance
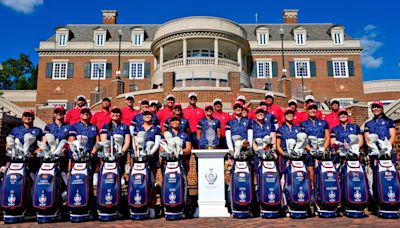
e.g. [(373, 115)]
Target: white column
[(184, 54), (217, 82), (239, 58), (161, 57), (216, 51)]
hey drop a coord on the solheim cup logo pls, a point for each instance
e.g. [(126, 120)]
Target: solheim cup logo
[(271, 196), (77, 198), (357, 195), (137, 197), (332, 195), (11, 198), (172, 197), (301, 194), (42, 199), (242, 196), (391, 194), (211, 177), (210, 136), (108, 196)]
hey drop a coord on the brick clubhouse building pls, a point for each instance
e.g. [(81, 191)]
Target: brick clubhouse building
[(211, 56)]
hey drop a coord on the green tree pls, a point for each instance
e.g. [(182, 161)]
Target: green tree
[(19, 73)]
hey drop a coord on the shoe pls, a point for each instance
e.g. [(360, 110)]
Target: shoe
[(123, 181), (152, 213), (95, 179)]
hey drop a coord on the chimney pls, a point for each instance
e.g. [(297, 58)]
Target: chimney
[(290, 16), (109, 17)]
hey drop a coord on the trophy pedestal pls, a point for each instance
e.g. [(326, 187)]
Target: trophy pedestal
[(211, 183)]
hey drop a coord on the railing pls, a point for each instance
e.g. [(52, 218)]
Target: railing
[(228, 63), (197, 61), (193, 61), (173, 63)]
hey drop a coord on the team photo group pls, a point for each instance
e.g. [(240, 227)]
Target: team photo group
[(282, 161)]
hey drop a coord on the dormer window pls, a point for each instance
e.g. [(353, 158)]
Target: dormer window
[(300, 36), (100, 36), (62, 37), (337, 34), (262, 35), (100, 39), (137, 36)]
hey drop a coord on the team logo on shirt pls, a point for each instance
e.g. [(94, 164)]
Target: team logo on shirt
[(33, 132), (319, 124), (122, 128), (93, 129), (65, 129), (351, 129), (296, 131)]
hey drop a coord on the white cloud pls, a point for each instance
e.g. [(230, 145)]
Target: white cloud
[(22, 6), (370, 46)]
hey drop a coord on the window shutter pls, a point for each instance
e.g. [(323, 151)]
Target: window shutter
[(70, 71), (254, 71), (274, 69), (330, 68), (87, 70), (108, 70), (291, 69), (350, 65), (125, 70), (49, 70), (313, 69), (146, 70)]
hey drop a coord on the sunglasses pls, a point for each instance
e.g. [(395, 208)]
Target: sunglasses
[(85, 113), (28, 116)]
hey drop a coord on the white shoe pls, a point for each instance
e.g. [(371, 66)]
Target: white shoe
[(95, 179), (152, 213), (122, 181)]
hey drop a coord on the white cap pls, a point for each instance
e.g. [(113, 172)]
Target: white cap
[(192, 94), (80, 96), (292, 101), (129, 96), (217, 100), (309, 97), (241, 97), (334, 99), (170, 96), (153, 102), (269, 94)]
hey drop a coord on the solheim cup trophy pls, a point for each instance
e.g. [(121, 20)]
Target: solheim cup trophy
[(210, 136)]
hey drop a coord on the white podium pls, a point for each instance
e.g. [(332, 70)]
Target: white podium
[(211, 184)]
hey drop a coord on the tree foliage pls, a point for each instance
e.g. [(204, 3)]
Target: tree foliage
[(19, 73)]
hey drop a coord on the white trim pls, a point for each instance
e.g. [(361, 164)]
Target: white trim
[(263, 59), (137, 41), (137, 63), (265, 71), (340, 59), (98, 60), (302, 41), (301, 59), (335, 75), (92, 71), (341, 38), (60, 77), (96, 41), (136, 60), (263, 38), (308, 69), (60, 60), (64, 41)]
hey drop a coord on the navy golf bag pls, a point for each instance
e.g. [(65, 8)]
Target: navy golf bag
[(242, 188), (354, 181), (386, 186), (297, 185), (141, 181), (327, 190), (269, 190), (80, 185), (47, 198), (109, 186), (174, 184), (17, 182)]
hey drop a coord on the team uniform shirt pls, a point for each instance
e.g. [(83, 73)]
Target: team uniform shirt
[(91, 131), (271, 118), (183, 135), (138, 120), (127, 115), (319, 115), (193, 115), (277, 112), (285, 132), (111, 129), (73, 116), (20, 131), (333, 120), (379, 126), (164, 114), (151, 133), (341, 132), (239, 126), (100, 118), (316, 128), (261, 130), (59, 132), (184, 126), (203, 125), (223, 118)]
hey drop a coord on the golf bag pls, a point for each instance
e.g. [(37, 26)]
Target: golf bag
[(242, 188), (354, 180), (297, 185), (174, 185), (80, 186), (268, 179), (141, 180), (17, 182), (109, 187), (327, 190), (47, 198), (386, 186)]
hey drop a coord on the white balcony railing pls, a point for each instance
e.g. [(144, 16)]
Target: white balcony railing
[(194, 61), (198, 61), (228, 63)]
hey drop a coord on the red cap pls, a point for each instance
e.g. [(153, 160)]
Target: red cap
[(312, 104), (147, 110), (115, 108), (175, 117), (30, 111), (263, 102), (238, 103), (85, 109), (245, 107), (288, 109), (377, 103), (342, 110), (177, 105), (208, 107), (59, 107), (259, 109)]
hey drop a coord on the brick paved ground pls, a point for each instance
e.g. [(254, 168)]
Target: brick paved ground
[(340, 222)]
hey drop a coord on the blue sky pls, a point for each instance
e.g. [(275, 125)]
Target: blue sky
[(26, 22)]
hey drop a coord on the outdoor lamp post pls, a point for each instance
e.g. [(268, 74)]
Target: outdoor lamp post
[(119, 54), (99, 70), (301, 68), (282, 33)]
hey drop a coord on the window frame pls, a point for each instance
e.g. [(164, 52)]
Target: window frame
[(264, 63), (96, 40), (303, 35), (131, 65), (92, 70), (341, 38), (263, 38), (59, 35), (137, 42), (296, 63), (59, 71), (335, 75)]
